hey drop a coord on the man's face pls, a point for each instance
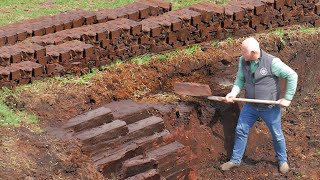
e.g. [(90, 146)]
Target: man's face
[(248, 55)]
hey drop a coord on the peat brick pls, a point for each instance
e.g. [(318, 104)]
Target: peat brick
[(12, 37), (133, 14), (3, 38), (148, 143), (268, 1), (167, 6), (90, 119), (146, 127), (144, 143), (5, 55), (182, 174), (114, 31), (234, 11), (279, 4), (152, 174), (187, 15), (154, 9), (317, 23), (188, 88), (15, 72), (4, 74), (25, 81), (137, 165), (144, 10), (175, 22), (30, 69), (104, 132), (317, 9), (15, 55), (112, 162), (134, 27), (255, 21), (151, 26), (22, 35), (136, 115), (166, 153), (206, 15)]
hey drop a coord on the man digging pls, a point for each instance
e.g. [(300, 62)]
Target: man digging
[(259, 74)]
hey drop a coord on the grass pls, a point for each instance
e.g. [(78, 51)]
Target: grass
[(165, 55), (9, 116), (18, 10), (304, 29), (218, 43), (279, 32), (141, 59), (179, 3), (192, 49), (13, 11)]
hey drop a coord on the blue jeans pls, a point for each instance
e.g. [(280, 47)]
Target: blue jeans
[(248, 116)]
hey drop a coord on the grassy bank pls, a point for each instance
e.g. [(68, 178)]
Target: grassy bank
[(18, 10)]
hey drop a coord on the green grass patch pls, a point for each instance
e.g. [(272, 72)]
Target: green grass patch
[(218, 43), (118, 62), (167, 55), (179, 3), (304, 29), (9, 116), (228, 40), (141, 59), (162, 57), (42, 86), (192, 49), (279, 32), (215, 43)]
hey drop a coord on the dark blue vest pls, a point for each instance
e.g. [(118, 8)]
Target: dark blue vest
[(261, 84)]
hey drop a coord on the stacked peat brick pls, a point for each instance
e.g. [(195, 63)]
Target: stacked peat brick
[(170, 30), (103, 36), (137, 11), (243, 17), (130, 143), (71, 42)]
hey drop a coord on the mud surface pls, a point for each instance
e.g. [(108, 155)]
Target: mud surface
[(207, 127)]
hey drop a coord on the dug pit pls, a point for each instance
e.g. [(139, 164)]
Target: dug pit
[(199, 133)]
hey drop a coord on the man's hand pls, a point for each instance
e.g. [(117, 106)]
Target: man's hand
[(229, 97), (285, 103)]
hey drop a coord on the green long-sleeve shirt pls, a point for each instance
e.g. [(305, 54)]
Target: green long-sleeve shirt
[(278, 69)]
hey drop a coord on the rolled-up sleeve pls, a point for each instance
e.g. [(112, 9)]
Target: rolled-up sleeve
[(282, 70)]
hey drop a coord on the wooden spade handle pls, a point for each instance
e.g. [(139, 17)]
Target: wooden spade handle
[(219, 98)]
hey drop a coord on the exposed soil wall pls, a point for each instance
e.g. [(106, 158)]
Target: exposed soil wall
[(83, 45)]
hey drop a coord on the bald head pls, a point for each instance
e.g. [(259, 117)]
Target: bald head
[(250, 49)]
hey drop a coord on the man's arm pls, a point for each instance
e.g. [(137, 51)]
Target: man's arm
[(282, 70), (239, 82)]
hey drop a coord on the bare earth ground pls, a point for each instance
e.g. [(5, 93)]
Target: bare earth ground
[(26, 155)]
